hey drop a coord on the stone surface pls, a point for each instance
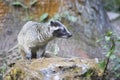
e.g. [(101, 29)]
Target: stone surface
[(52, 69), (92, 23), (113, 15)]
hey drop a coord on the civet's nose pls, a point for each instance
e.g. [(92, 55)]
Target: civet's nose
[(69, 35)]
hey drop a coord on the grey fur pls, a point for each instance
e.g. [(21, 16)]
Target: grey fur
[(34, 37)]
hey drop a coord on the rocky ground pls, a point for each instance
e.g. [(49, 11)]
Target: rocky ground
[(54, 69), (115, 21), (10, 25)]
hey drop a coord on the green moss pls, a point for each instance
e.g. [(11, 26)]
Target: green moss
[(112, 5)]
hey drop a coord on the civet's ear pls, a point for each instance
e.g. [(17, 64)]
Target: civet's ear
[(52, 23)]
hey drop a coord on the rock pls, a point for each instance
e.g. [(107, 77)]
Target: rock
[(91, 24), (1, 77), (12, 58), (113, 15), (88, 22), (52, 69)]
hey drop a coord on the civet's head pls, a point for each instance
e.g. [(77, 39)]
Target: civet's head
[(59, 30)]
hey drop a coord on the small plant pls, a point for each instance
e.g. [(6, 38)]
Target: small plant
[(116, 68), (111, 40), (66, 15), (88, 74), (44, 17), (112, 5), (3, 69), (25, 7)]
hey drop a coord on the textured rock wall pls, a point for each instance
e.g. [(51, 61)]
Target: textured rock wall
[(89, 23)]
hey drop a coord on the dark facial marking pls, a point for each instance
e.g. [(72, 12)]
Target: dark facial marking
[(61, 32), (56, 24), (57, 33)]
